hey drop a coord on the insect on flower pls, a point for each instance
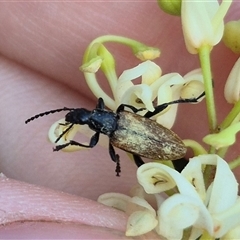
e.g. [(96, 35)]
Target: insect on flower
[(126, 130)]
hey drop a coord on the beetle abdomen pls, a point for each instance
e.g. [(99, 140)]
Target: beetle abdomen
[(146, 138)]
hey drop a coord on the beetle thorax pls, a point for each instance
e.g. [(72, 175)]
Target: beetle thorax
[(103, 121)]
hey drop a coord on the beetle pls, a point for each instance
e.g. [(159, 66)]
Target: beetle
[(133, 133)]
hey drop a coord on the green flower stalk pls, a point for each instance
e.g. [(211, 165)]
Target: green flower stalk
[(97, 56)]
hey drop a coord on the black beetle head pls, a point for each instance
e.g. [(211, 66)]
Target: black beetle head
[(78, 116)]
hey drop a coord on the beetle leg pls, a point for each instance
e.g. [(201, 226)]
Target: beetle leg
[(138, 160), (100, 104), (180, 164), (135, 110), (65, 131), (161, 107), (93, 141), (115, 158)]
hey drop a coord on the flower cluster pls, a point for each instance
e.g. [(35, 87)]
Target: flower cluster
[(190, 204), (194, 204), (154, 88)]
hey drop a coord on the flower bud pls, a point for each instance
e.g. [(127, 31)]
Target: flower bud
[(147, 53), (172, 7), (231, 36)]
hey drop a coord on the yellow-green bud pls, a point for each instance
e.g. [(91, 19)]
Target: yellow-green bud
[(231, 36), (172, 7), (147, 53)]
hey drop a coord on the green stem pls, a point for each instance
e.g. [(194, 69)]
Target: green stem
[(222, 152), (231, 116), (204, 56), (113, 38), (195, 146), (96, 50), (234, 163)]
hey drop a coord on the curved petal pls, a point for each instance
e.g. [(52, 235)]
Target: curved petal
[(172, 216), (121, 89), (227, 222), (195, 74), (156, 178), (232, 86), (152, 73), (224, 182), (167, 92), (168, 118), (194, 85), (115, 200), (232, 234), (143, 203), (140, 92), (193, 173), (140, 222), (57, 129), (148, 69), (168, 79)]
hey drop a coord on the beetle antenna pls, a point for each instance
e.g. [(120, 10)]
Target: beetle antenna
[(161, 107), (48, 112)]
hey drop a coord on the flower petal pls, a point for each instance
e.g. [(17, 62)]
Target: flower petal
[(140, 222), (232, 86), (148, 69), (224, 182), (167, 92), (156, 178), (115, 200), (175, 214), (232, 234), (172, 216), (57, 129), (140, 92), (227, 221), (142, 204), (193, 86), (193, 173)]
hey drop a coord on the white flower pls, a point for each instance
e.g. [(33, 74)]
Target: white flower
[(142, 216), (222, 194), (128, 93), (57, 129), (202, 22), (214, 210), (157, 88)]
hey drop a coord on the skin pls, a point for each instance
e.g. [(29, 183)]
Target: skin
[(41, 48)]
